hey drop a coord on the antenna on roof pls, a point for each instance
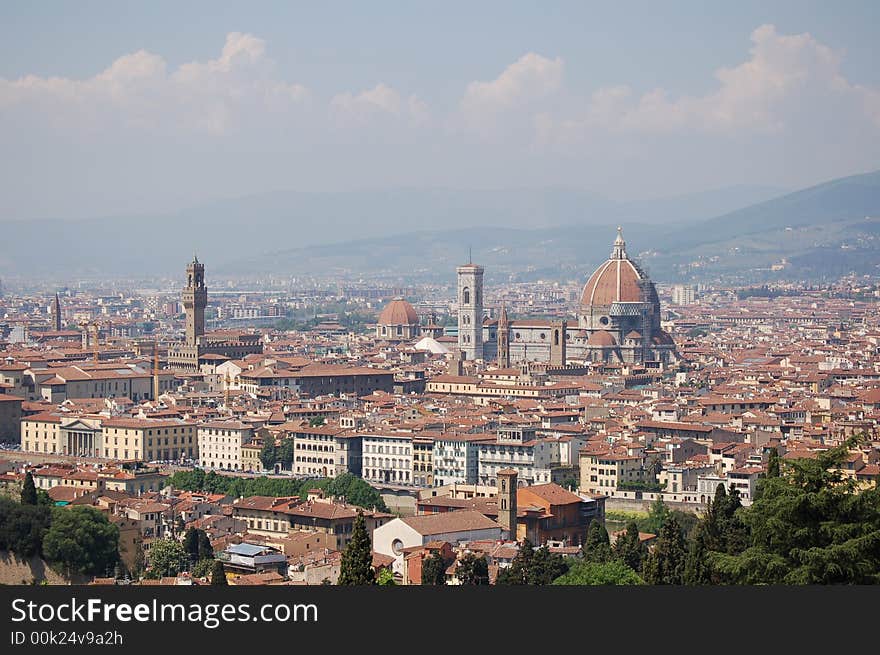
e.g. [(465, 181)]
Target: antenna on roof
[(470, 255)]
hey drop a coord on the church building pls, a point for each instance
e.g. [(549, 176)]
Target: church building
[(618, 320)]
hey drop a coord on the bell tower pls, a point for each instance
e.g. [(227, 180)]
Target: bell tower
[(470, 310), (195, 298), (507, 501), (503, 339)]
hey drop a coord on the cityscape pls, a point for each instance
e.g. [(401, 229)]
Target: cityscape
[(455, 328)]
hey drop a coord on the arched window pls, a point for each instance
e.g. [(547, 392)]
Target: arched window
[(555, 337), (466, 296)]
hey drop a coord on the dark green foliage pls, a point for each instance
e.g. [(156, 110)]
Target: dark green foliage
[(697, 570), (434, 570), (197, 545), (354, 489), (285, 452), (613, 572), (773, 464), (665, 564), (357, 559), (533, 566), (724, 529), (597, 545), (629, 548), (28, 490), (570, 483), (809, 526), (268, 455), (316, 421), (22, 527), (43, 498), (167, 557), (518, 571), (218, 575), (472, 570), (81, 539)]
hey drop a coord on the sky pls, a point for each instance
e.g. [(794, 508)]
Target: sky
[(125, 108)]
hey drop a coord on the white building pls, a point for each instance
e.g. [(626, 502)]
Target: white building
[(516, 448), (387, 458), (326, 451), (456, 458), (220, 444), (455, 527)]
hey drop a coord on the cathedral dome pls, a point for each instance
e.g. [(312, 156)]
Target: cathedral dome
[(617, 280), (398, 312)]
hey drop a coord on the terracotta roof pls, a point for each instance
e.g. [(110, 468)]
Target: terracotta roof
[(449, 522), (398, 312)]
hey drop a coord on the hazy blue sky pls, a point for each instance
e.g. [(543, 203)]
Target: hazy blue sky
[(122, 107)]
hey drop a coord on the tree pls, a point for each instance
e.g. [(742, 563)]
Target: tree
[(613, 572), (83, 540), (533, 566), (218, 574), (597, 545), (546, 566), (657, 517), (472, 570), (773, 464), (28, 490), (285, 452), (697, 570), (518, 571), (810, 526), (385, 578), (356, 568), (23, 527), (433, 570), (629, 548), (268, 455), (666, 562), (316, 421), (197, 545), (167, 558)]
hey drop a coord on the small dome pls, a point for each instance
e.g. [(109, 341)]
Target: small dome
[(634, 334), (603, 339), (398, 312)]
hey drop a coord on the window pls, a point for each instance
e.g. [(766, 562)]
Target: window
[(466, 296)]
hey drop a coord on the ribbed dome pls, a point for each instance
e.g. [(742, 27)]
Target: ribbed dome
[(617, 280), (398, 312)]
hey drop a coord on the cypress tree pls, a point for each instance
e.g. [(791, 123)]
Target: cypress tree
[(597, 545), (28, 490), (773, 464), (357, 559), (697, 568), (630, 549), (665, 565), (518, 571), (434, 570), (218, 575)]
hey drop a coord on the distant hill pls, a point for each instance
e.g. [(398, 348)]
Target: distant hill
[(423, 234), (814, 233), (231, 231)]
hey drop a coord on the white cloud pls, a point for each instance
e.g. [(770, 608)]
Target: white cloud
[(526, 81), (136, 90), (530, 77), (786, 78)]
